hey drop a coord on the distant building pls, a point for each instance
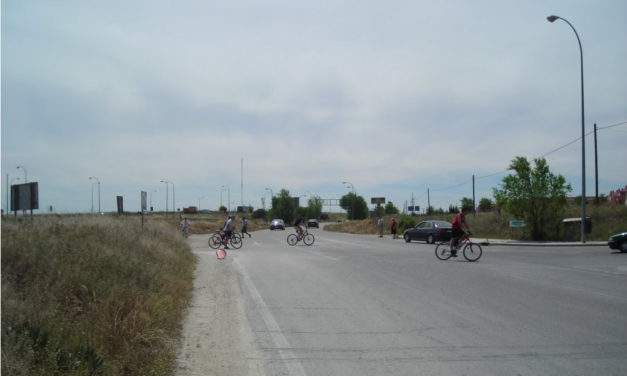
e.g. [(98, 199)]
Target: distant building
[(618, 196)]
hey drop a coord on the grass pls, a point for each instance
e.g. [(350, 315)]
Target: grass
[(92, 296), (607, 219), (206, 223)]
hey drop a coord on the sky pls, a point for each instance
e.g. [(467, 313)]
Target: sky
[(394, 97)]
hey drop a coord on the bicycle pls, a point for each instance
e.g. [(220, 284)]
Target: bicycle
[(305, 236), (218, 239), (471, 251)]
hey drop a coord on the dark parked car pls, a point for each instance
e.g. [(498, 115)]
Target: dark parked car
[(430, 231), (277, 224), (312, 223), (618, 241)]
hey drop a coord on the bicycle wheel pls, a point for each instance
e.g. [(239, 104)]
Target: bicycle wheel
[(443, 251), (309, 239), (292, 239), (215, 241), (236, 241), (472, 252)]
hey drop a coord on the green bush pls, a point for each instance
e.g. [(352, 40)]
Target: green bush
[(405, 222)]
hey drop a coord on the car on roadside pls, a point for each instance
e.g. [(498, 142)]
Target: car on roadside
[(618, 241), (312, 222), (430, 231), (277, 224)]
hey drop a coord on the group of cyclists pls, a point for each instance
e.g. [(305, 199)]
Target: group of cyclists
[(459, 229)]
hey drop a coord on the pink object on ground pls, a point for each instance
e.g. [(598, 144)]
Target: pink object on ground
[(221, 254)]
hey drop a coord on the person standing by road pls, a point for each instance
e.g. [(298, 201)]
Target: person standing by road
[(393, 227), (380, 226), (245, 227)]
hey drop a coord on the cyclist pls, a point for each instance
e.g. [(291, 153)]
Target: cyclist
[(459, 223), (298, 228), (228, 230)]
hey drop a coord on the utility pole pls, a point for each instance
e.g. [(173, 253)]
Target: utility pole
[(7, 190), (241, 199), (474, 205), (596, 166), (92, 197), (428, 201)]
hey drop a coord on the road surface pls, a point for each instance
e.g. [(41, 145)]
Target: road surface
[(362, 305)]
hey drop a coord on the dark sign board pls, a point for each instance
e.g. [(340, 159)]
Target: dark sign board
[(120, 202), (144, 196), (25, 196), (377, 200), (413, 208), (244, 209), (296, 201)]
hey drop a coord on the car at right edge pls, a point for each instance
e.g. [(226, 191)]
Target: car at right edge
[(618, 241)]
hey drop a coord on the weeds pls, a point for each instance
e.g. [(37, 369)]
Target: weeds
[(92, 296)]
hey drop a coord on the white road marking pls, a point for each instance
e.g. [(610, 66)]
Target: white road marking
[(294, 367)]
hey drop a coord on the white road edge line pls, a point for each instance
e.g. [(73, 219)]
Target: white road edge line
[(289, 358)]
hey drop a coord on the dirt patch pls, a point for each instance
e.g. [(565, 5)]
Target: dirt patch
[(216, 338)]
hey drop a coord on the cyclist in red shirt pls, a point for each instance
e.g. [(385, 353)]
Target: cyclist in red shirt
[(459, 223)]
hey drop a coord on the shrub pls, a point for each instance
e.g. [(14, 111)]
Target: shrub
[(405, 222)]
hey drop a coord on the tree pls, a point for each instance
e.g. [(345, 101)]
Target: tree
[(355, 206), (467, 204), (390, 208), (222, 209), (534, 194), (485, 204), (314, 207), (260, 213), (379, 211), (283, 206), (452, 209)]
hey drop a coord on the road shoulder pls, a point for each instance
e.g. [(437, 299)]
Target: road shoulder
[(216, 338)]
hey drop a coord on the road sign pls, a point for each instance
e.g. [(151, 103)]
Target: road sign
[(120, 202), (377, 200), (413, 208), (516, 223)]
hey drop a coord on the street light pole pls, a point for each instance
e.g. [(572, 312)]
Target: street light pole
[(551, 19), (92, 188), (92, 197), (167, 194)]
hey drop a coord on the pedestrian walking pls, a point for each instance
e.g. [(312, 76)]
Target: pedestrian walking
[(245, 227), (380, 226), (393, 227)]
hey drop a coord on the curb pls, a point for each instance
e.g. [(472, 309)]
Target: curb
[(539, 244)]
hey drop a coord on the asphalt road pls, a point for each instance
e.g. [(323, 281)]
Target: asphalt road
[(361, 305)]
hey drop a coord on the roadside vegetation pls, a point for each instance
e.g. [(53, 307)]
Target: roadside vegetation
[(607, 219), (85, 295)]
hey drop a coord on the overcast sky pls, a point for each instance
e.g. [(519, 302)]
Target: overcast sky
[(393, 96)]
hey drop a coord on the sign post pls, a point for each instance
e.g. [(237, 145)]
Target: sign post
[(120, 202), (25, 197)]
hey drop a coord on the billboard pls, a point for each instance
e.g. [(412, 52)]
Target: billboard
[(377, 200), (25, 196), (413, 208)]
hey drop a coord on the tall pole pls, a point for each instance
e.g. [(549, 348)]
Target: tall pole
[(167, 194), (583, 133), (228, 196), (173, 199), (428, 201), (596, 166), (241, 199), (474, 206), (7, 190), (92, 197)]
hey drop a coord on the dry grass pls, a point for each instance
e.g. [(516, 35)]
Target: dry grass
[(92, 296), (206, 223)]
